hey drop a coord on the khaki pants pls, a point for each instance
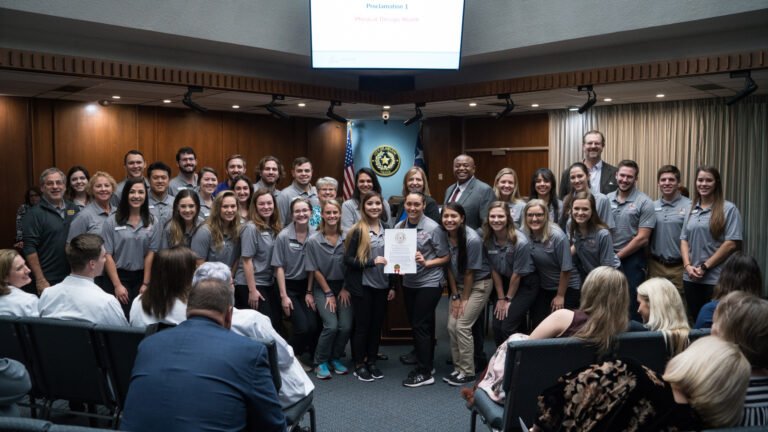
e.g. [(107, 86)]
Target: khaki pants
[(673, 273), (460, 329)]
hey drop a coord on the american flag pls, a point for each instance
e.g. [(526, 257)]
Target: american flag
[(349, 166)]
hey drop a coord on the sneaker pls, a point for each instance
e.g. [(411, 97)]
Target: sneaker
[(408, 359), (449, 377), (339, 367), (363, 374), (418, 379), (322, 372), (375, 371), (460, 380)]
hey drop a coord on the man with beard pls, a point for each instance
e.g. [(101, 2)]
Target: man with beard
[(269, 172), (235, 168), (187, 178)]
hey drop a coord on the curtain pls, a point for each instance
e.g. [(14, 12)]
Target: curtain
[(685, 134)]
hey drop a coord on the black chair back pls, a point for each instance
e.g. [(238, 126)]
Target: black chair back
[(118, 347), (68, 366)]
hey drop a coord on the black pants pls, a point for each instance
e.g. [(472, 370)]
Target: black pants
[(542, 306), (131, 280), (518, 308), (304, 319), (370, 309), (420, 304), (270, 306), (696, 296)]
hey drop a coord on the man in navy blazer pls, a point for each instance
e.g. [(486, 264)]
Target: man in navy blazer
[(201, 376), (474, 195), (601, 173)]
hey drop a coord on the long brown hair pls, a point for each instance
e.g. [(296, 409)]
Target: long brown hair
[(717, 220), (488, 231), (362, 228), (273, 223), (6, 265), (219, 228), (594, 223), (171, 278)]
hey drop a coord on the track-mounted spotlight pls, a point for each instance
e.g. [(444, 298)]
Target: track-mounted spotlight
[(105, 102), (332, 115), (749, 86), (192, 104), (272, 108), (591, 98), (508, 109), (416, 117)]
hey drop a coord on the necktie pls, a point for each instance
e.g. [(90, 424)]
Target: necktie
[(455, 194)]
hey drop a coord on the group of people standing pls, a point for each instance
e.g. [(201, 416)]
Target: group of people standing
[(303, 254)]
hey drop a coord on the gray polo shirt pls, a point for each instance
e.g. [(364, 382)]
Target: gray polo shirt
[(324, 257), (288, 194), (508, 259), (432, 243), (516, 210), (205, 210), (257, 245), (288, 253), (260, 185), (670, 217), (89, 220), (374, 277), (161, 209), (595, 249), (556, 217), (634, 213), (165, 239), (178, 184), (476, 259), (350, 214), (202, 246), (552, 257), (129, 245), (700, 241)]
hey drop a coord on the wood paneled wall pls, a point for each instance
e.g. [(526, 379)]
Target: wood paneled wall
[(443, 139), (38, 133)]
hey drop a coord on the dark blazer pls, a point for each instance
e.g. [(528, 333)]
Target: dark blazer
[(475, 199), (201, 376), (607, 180)]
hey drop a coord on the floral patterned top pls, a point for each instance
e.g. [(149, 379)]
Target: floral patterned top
[(617, 395)]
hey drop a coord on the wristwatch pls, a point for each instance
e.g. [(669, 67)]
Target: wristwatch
[(704, 267), (456, 297)]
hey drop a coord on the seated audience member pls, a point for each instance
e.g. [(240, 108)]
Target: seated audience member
[(702, 387), (14, 273), (296, 384), (740, 273), (200, 376), (77, 297), (661, 308), (165, 299), (14, 386), (743, 319), (596, 320)]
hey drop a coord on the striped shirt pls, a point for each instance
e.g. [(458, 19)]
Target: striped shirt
[(756, 403)]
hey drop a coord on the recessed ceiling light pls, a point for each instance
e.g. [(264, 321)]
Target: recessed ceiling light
[(302, 104), (235, 106), (534, 105), (573, 108), (386, 107), (167, 101), (607, 100), (91, 108), (115, 97), (473, 104), (660, 95)]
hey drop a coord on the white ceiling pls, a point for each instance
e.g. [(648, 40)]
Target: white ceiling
[(49, 86)]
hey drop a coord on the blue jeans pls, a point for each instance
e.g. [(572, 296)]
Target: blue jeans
[(634, 267)]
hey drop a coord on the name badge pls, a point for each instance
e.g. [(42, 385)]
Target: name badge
[(120, 228), (493, 252), (658, 209), (70, 212)]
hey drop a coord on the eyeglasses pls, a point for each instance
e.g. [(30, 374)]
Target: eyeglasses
[(535, 215)]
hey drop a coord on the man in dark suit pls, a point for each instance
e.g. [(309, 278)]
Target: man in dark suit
[(602, 175), (201, 376), (474, 195)]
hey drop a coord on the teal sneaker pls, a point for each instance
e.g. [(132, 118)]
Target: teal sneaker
[(339, 367), (322, 371)]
